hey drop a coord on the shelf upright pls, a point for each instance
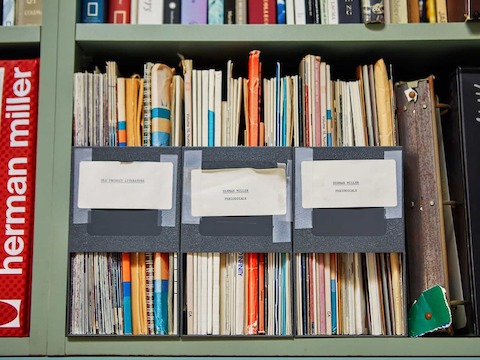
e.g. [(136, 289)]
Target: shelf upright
[(61, 177), (31, 42)]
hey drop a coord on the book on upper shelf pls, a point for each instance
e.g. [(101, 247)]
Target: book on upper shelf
[(94, 11), (28, 12), (19, 82), (8, 12)]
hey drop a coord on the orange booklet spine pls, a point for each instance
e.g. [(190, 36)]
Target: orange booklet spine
[(253, 96), (252, 297)]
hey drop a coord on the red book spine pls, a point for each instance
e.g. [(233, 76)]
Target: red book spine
[(18, 143), (253, 96), (119, 11), (252, 291), (262, 12)]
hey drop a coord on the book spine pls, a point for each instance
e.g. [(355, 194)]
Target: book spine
[(300, 16), (461, 144), (290, 12), (239, 295), (431, 12), (261, 293), (252, 291), (28, 12), (218, 108), (211, 107), (215, 12), (473, 10), (119, 11), (240, 11), (150, 12), (229, 12), (253, 96), (309, 17), (324, 11), (441, 7), (147, 104), (372, 11), (160, 297), (414, 11), (261, 12), (332, 12), (19, 83), (127, 294), (172, 11), (161, 125), (133, 11), (281, 16), (399, 12), (349, 12), (174, 329), (139, 305), (93, 11), (316, 12), (455, 10), (187, 65), (194, 11), (216, 294), (149, 293)]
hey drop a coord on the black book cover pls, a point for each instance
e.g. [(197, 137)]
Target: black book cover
[(349, 12), (229, 12), (171, 12), (461, 131), (316, 12), (309, 12), (473, 10)]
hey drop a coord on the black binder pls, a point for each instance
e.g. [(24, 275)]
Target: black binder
[(461, 133)]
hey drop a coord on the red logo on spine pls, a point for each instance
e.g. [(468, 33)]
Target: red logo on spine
[(10, 310)]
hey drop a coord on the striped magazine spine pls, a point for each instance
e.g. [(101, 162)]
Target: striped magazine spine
[(149, 293), (147, 105)]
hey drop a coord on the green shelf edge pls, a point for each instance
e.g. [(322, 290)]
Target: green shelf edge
[(19, 35), (279, 33)]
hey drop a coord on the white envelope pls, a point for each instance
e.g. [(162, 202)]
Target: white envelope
[(239, 192), (125, 185)]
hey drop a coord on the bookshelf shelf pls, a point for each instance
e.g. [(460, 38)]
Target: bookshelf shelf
[(19, 41), (343, 33), (337, 346), (64, 46), (20, 35), (410, 47)]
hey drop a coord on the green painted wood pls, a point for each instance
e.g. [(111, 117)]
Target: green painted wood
[(61, 178), (288, 33), (18, 35), (337, 346), (44, 189)]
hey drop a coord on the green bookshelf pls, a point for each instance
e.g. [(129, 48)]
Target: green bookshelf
[(415, 50)]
